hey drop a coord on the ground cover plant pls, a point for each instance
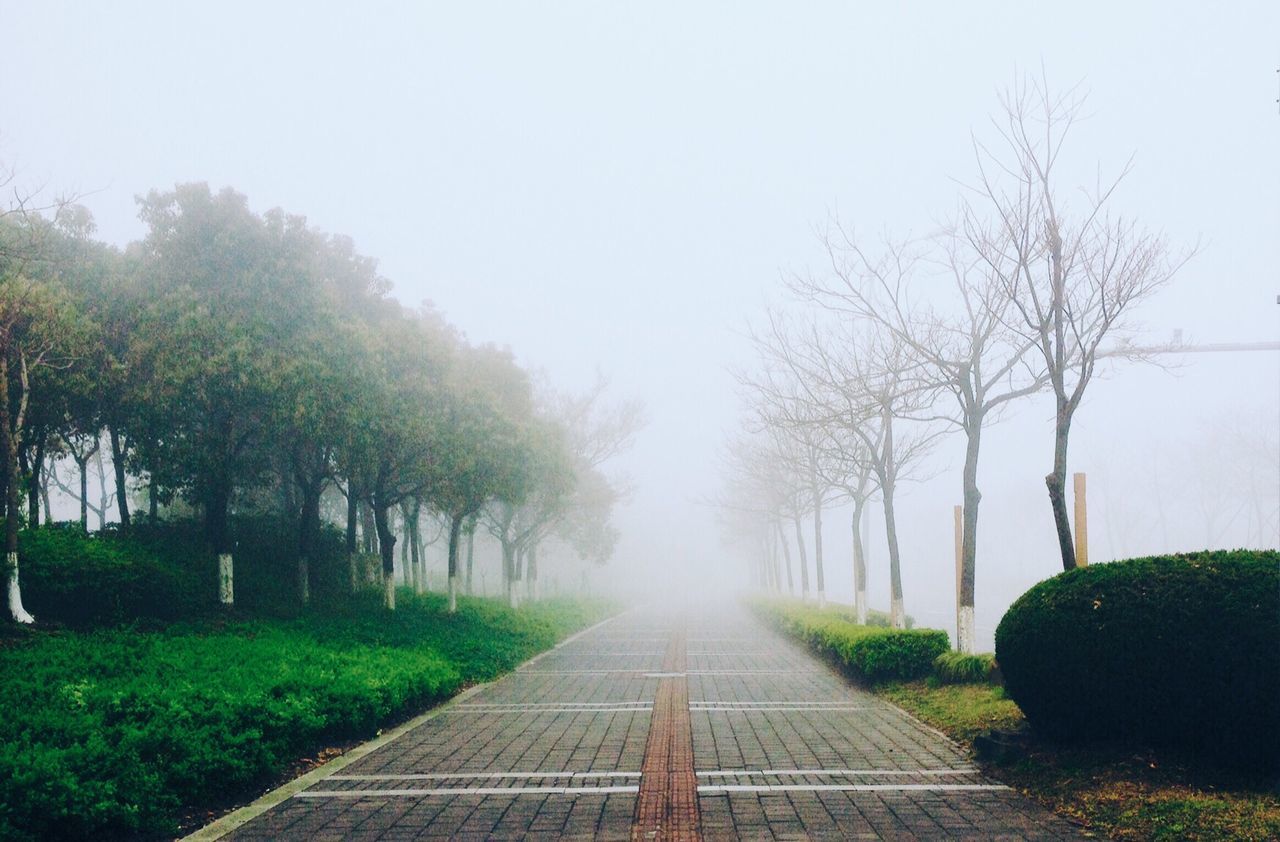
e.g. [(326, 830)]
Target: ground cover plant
[(117, 732), (1122, 791), (869, 653)]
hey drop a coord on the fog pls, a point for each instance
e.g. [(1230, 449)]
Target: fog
[(619, 189)]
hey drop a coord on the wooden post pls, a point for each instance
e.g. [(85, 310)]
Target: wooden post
[(1082, 523), (959, 525)]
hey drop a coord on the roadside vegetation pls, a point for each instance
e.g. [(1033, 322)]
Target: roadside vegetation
[(234, 363), (1121, 791), (1153, 682), (122, 731)]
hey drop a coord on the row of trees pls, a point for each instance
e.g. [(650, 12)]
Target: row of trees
[(230, 358), (892, 346)]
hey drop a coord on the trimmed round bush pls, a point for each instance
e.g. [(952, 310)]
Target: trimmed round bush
[(1173, 650)]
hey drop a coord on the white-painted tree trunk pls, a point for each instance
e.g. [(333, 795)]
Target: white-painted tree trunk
[(389, 591), (860, 606), (304, 580), (968, 636), (16, 610), (897, 616), (226, 579), (453, 594)]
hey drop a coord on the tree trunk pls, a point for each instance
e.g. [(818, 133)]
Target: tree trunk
[(9, 446), (83, 467), (897, 613), (509, 572), (33, 488), (44, 492), (368, 529), (804, 560), (117, 467), (471, 554), (817, 547), (353, 506), (1057, 483), (406, 568), (308, 535), (786, 556), (387, 549), (888, 477), (455, 529), (531, 578), (519, 574), (969, 540), (859, 565), (415, 549), (216, 503)]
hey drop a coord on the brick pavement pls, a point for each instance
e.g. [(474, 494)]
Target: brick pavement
[(776, 745)]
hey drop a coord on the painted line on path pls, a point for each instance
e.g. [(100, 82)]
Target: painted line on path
[(762, 709), (448, 776), (478, 790), (712, 789), (844, 773)]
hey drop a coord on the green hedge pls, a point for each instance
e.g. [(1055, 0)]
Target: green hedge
[(958, 668), (1181, 650), (165, 571), (116, 733), (79, 579), (870, 653)]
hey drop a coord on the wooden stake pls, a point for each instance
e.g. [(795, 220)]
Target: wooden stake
[(959, 525), (1082, 523)]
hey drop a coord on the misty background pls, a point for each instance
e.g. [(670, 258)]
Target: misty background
[(619, 188)]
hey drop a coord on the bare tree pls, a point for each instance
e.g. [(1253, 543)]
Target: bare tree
[(1073, 274), (781, 411), (756, 499), (857, 386), (965, 352)]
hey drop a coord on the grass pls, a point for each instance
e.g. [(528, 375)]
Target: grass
[(962, 711), (119, 733), (1122, 792)]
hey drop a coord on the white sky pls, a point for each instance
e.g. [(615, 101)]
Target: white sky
[(618, 186)]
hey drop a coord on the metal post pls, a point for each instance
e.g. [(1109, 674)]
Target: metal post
[(1082, 524)]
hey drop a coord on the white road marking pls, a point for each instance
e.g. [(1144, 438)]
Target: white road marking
[(717, 788), (479, 790), (789, 703), (735, 709), (548, 704), (562, 709), (846, 773), (445, 776), (751, 672)]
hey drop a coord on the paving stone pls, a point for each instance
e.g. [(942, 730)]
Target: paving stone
[(818, 757)]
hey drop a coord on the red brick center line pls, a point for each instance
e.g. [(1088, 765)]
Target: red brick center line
[(667, 804)]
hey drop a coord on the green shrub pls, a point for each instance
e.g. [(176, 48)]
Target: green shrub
[(958, 668), (78, 579), (1181, 650), (868, 652)]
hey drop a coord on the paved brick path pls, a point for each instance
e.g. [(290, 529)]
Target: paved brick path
[(609, 736)]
